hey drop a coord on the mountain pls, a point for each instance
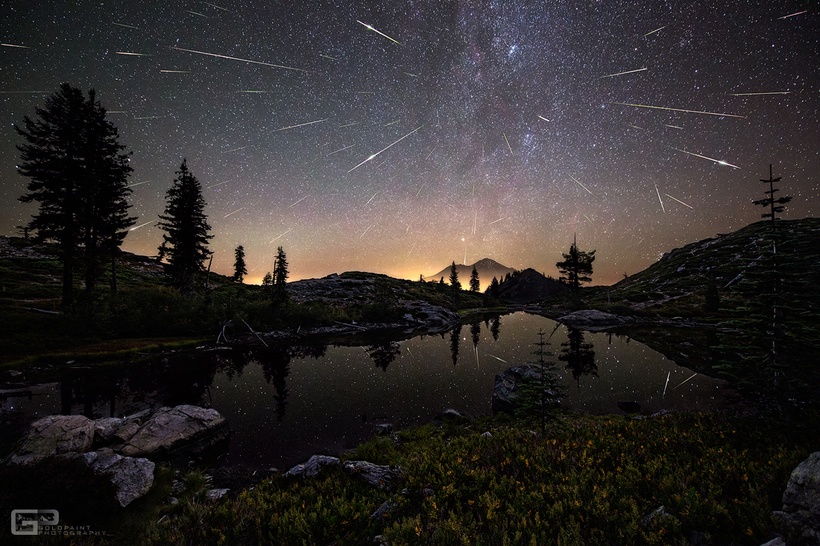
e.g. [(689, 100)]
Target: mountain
[(486, 268), (530, 286)]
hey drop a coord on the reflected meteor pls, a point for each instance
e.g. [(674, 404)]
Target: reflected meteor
[(383, 149), (718, 161), (241, 60), (379, 33), (678, 110)]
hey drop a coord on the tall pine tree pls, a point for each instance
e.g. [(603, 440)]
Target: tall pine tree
[(576, 267), (185, 241), (78, 171), (539, 394), (239, 267), (475, 285), (280, 277)]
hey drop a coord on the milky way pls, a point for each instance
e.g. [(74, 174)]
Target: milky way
[(397, 137)]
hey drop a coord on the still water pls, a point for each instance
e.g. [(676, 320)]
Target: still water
[(285, 404)]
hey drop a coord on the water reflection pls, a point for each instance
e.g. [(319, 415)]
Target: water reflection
[(287, 403)]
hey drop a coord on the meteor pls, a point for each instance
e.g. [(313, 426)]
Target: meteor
[(237, 149), (137, 184), (175, 71), (349, 124), (431, 152), (494, 221), (793, 14), (654, 31), (421, 188), (379, 33), (497, 358), (16, 45), (197, 13), (761, 93), (27, 93), (234, 212), (241, 60), (684, 381), (622, 73), (673, 126), (577, 182), (369, 200), (126, 26), (414, 75), (132, 54), (328, 57), (412, 247), (282, 235), (666, 384), (339, 150), (391, 123), (300, 125), (678, 110), (253, 91), (299, 201), (508, 143), (365, 231), (661, 200), (150, 117), (215, 6), (679, 201), (139, 226), (718, 161), (542, 117), (588, 220), (383, 149), (217, 184)]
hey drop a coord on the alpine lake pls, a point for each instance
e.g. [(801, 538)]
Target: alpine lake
[(286, 403)]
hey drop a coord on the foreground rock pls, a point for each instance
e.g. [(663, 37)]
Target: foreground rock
[(173, 431), (505, 389), (800, 515), (132, 477), (593, 320), (381, 476), (54, 435)]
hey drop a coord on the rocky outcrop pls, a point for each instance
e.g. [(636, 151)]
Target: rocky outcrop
[(173, 431), (593, 320), (800, 515), (381, 476), (54, 435), (505, 389), (132, 477)]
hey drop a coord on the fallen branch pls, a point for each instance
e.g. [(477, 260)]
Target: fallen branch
[(254, 333)]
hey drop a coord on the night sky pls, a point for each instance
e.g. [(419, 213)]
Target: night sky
[(397, 137)]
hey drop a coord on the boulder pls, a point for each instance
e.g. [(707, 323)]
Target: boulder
[(132, 477), (449, 414), (174, 431), (593, 320), (506, 384), (800, 515), (54, 435), (381, 476)]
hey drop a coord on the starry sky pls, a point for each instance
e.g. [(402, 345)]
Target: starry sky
[(397, 137)]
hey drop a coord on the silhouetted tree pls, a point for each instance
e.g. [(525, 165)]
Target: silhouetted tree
[(454, 283), (475, 285), (280, 276), (494, 288), (576, 267), (383, 354), (475, 334), (239, 267), (185, 242), (79, 173), (775, 205), (539, 395)]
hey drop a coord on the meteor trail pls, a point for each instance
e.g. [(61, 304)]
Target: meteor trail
[(653, 31), (150, 117), (673, 126), (391, 123), (577, 182), (380, 151), (588, 220), (299, 201), (431, 152), (340, 149), (126, 26), (132, 54), (197, 13), (494, 221), (234, 212), (137, 184), (300, 125), (666, 384), (421, 188), (659, 198), (793, 14), (411, 248), (175, 71), (684, 381), (278, 236), (215, 6), (497, 358), (678, 110), (365, 231), (241, 60), (542, 117), (16, 45), (622, 73), (349, 124), (369, 200), (508, 143), (761, 93), (679, 201), (237, 149), (215, 185), (328, 57), (139, 226), (379, 33), (718, 161)]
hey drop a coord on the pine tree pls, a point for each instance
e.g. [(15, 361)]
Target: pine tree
[(185, 242), (539, 394), (475, 285), (775, 205), (280, 276), (576, 267), (494, 288), (239, 267), (78, 173), (455, 285)]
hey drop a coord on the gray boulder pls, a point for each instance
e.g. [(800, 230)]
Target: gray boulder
[(54, 435), (593, 320), (505, 389), (173, 431), (800, 515), (381, 476), (132, 477)]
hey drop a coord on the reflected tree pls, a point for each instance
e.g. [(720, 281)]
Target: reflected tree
[(383, 354), (495, 327), (578, 355), (275, 362), (475, 334), (455, 335)]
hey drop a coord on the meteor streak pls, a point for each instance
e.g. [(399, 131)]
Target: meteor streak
[(793, 14), (279, 236), (215, 6), (175, 71), (369, 200), (508, 143), (365, 231), (139, 226), (622, 73), (253, 91), (718, 161), (217, 184), (391, 123), (383, 149), (577, 182), (588, 220), (411, 248), (234, 212), (659, 198), (132, 54), (126, 26), (673, 126), (684, 381), (241, 60), (431, 152), (340, 149), (421, 188), (349, 124), (328, 57), (761, 93), (379, 33), (299, 201), (16, 45), (494, 221), (654, 31), (497, 358), (666, 384), (542, 117), (679, 201), (150, 117), (678, 110), (237, 149), (197, 13), (137, 184), (300, 125)]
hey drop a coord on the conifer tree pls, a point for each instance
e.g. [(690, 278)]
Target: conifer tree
[(576, 267), (455, 285), (280, 276), (239, 267), (78, 171), (185, 242), (539, 394), (475, 285)]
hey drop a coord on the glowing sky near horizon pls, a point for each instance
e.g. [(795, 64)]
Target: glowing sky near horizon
[(397, 137)]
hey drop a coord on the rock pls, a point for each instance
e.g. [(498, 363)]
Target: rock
[(215, 494), (593, 320), (172, 431), (132, 477), (486, 434), (106, 429), (449, 414), (54, 435), (658, 512), (383, 511), (313, 466), (800, 515), (775, 542), (383, 429), (506, 383), (381, 476)]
